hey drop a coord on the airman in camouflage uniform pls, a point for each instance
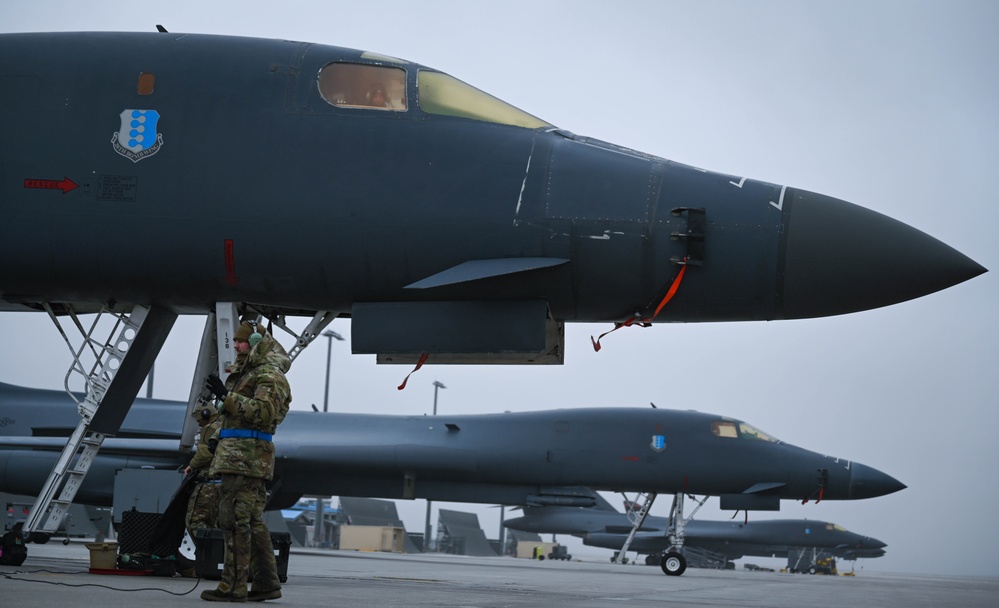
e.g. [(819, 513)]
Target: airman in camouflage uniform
[(258, 400), (203, 505)]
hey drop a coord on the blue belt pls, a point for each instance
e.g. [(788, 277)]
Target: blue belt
[(245, 434)]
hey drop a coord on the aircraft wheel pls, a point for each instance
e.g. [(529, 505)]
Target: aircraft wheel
[(673, 564), (811, 570), (65, 541)]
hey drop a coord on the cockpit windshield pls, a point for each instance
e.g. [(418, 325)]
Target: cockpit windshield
[(442, 94), (740, 430), (383, 87)]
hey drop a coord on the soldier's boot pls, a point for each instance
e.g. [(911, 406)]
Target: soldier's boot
[(259, 596), (214, 595), (266, 583)]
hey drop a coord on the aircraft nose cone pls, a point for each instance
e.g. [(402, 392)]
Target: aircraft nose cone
[(867, 482), (873, 543), (842, 258)]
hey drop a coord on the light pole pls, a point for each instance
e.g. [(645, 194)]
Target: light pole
[(502, 531), (437, 385), (329, 334), (426, 528), (318, 533)]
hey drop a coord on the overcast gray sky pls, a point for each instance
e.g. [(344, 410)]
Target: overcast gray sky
[(893, 105)]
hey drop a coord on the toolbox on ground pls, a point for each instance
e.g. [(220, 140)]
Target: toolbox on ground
[(141, 549), (209, 546), (148, 564), (136, 531)]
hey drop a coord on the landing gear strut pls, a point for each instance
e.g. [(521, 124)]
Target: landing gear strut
[(673, 562)]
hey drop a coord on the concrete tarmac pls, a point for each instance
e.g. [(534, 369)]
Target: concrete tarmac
[(57, 575)]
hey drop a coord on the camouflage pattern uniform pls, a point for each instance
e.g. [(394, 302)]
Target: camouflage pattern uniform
[(259, 396), (203, 505)]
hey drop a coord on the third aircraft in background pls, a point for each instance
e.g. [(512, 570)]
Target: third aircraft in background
[(603, 526)]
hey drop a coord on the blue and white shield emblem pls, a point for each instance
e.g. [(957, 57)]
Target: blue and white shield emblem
[(137, 137), (658, 442)]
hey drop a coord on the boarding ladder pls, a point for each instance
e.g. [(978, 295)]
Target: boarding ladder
[(66, 477), (638, 521), (104, 358), (802, 554)]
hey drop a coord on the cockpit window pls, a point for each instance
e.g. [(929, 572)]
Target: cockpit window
[(724, 428), (741, 430), (442, 94), (358, 85)]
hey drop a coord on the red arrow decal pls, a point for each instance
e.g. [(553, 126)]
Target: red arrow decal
[(50, 184)]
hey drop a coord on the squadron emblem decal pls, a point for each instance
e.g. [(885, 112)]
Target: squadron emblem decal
[(137, 137), (658, 443)]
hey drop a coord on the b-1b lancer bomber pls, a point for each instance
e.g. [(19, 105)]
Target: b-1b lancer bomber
[(175, 171), (530, 458), (148, 175), (525, 458), (603, 526)]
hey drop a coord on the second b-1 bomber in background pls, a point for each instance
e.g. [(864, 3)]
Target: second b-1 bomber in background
[(199, 174), (531, 458)]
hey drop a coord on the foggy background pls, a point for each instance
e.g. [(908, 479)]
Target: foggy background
[(891, 105)]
